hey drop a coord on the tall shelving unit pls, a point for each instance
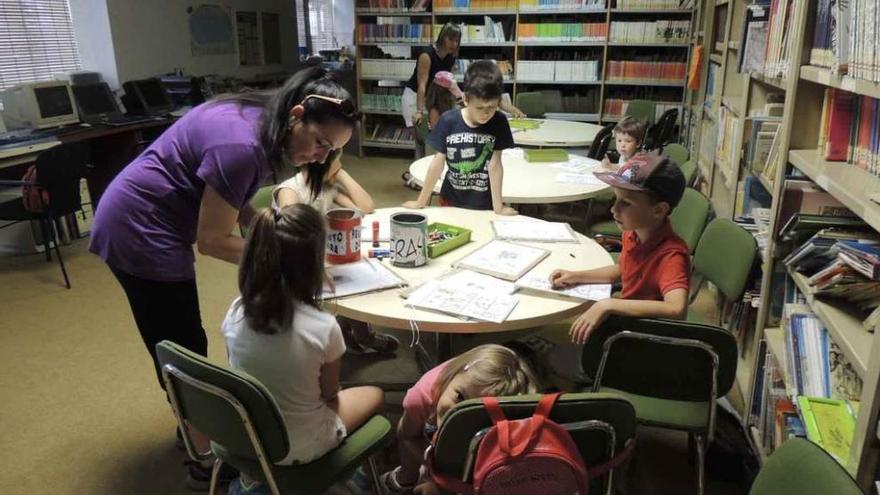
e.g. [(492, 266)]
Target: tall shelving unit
[(512, 15), (803, 86)]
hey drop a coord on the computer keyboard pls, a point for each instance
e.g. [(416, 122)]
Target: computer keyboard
[(118, 120)]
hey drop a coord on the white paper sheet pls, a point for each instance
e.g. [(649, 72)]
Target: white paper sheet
[(518, 230), (584, 179), (366, 275), (456, 301), (468, 280), (587, 292)]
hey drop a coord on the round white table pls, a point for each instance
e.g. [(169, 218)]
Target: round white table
[(556, 133), (531, 183), (386, 308)]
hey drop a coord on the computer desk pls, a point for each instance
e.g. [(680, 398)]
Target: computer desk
[(112, 148)]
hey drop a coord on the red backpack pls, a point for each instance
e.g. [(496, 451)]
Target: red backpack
[(528, 456), (34, 197)]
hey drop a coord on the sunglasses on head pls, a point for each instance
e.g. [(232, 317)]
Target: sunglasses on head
[(346, 107)]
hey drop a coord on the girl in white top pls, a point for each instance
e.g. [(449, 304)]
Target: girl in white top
[(277, 332), (322, 188)]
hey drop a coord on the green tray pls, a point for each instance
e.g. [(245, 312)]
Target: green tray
[(546, 155), (524, 124), (462, 237)]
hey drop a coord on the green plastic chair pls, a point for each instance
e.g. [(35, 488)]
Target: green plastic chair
[(531, 104), (688, 219), (800, 467), (642, 109), (422, 131), (677, 153), (689, 169), (671, 371), (724, 256), (600, 424), (261, 200), (247, 430)]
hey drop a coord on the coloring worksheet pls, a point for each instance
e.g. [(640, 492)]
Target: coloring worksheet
[(536, 231), (462, 302), (540, 282), (502, 259)]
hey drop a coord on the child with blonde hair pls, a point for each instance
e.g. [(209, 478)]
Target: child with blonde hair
[(486, 370)]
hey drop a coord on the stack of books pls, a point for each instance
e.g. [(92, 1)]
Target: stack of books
[(661, 31), (563, 31), (391, 133), (778, 51), (382, 98), (627, 70), (845, 38), (468, 5), (559, 70), (489, 31), (551, 5), (399, 31)]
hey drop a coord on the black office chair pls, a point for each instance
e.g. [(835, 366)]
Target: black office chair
[(661, 133), (59, 170), (594, 146)]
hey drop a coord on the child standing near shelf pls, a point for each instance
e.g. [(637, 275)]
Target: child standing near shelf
[(486, 370), (629, 137), (654, 266), (277, 332), (470, 142)]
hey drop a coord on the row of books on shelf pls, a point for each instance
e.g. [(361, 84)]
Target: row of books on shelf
[(806, 387), (661, 71), (394, 33), (660, 31), (655, 4), (846, 37), (551, 5), (388, 102), (616, 107), (727, 144), (467, 5), (559, 31), (558, 70), (850, 129), (486, 32), (766, 38), (387, 68), (387, 132), (393, 5)]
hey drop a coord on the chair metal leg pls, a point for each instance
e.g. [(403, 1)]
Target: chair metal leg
[(700, 441), (215, 473), (374, 475), (60, 260), (45, 228)]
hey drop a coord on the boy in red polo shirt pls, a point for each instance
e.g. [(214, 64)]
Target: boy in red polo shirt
[(654, 266)]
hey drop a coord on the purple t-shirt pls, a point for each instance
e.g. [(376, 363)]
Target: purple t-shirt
[(145, 224)]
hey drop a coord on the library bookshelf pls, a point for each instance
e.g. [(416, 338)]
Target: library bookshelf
[(726, 93), (384, 65)]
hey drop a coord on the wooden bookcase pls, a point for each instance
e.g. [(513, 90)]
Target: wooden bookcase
[(515, 51), (803, 86)]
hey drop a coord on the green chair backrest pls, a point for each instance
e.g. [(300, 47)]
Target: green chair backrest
[(724, 256), (677, 153), (469, 417), (642, 109), (422, 131), (689, 169), (263, 198), (213, 414), (531, 104), (799, 467), (660, 370), (689, 218)]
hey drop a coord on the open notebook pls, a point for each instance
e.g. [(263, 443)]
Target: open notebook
[(360, 277), (540, 282)]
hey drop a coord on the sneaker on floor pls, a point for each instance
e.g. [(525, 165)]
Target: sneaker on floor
[(198, 477), (390, 486), (239, 487)]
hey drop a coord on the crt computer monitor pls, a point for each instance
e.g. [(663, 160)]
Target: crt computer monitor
[(147, 96), (39, 105), (95, 101)]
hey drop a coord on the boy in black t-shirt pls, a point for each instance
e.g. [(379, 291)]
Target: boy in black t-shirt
[(470, 141)]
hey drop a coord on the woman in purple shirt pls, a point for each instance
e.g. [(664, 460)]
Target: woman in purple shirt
[(195, 182)]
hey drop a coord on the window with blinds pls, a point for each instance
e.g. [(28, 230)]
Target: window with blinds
[(319, 25), (36, 41)]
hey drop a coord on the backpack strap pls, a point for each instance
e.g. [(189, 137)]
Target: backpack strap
[(614, 462)]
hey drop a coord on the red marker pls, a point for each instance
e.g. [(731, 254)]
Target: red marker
[(375, 233)]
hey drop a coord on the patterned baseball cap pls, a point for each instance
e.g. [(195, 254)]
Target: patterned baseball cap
[(648, 172)]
